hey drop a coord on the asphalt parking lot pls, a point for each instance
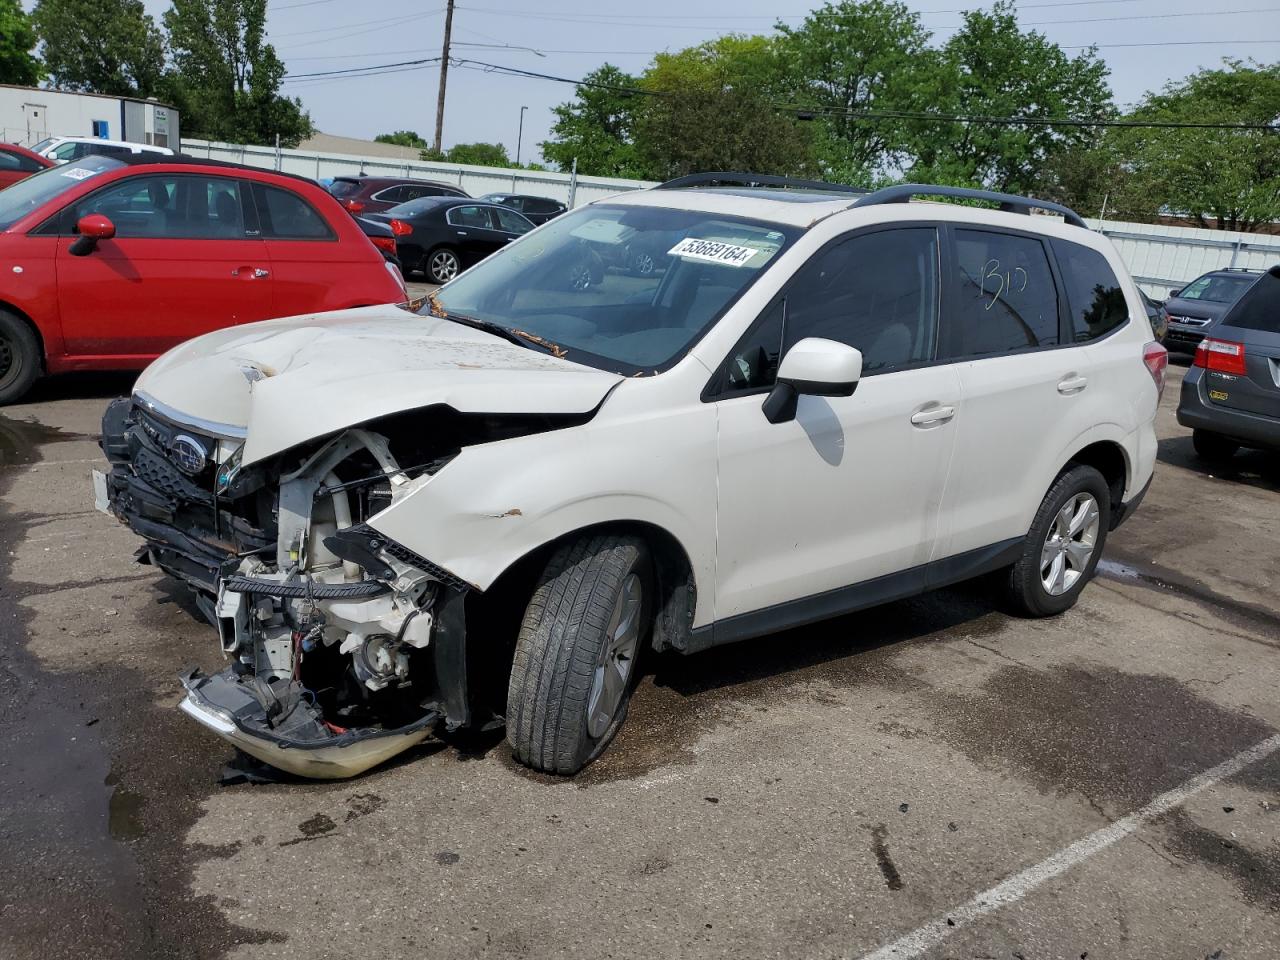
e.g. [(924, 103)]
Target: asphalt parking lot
[(932, 777)]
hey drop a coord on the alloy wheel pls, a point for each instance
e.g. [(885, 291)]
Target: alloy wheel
[(1069, 544), (616, 659), (444, 266)]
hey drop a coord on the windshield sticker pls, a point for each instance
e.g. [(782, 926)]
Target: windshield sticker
[(78, 173), (713, 251)]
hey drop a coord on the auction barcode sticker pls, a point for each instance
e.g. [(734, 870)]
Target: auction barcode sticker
[(713, 251)]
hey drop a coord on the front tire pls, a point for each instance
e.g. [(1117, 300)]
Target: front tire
[(1213, 446), (1064, 544), (19, 358), (575, 657), (441, 265)]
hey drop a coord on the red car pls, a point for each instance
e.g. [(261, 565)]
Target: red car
[(107, 262), (365, 194), (18, 163)]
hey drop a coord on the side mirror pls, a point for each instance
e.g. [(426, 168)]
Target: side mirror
[(1174, 291), (92, 227), (816, 367)]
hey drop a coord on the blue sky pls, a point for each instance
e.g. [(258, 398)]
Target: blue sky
[(575, 36)]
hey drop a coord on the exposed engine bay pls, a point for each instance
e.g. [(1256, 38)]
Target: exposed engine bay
[(345, 647)]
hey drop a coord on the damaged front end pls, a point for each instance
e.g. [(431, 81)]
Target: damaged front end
[(345, 648)]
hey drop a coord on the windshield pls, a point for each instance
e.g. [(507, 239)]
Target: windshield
[(37, 190), (1217, 289), (622, 288), (42, 146)]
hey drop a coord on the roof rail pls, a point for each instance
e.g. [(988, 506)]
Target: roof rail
[(720, 178), (903, 192)]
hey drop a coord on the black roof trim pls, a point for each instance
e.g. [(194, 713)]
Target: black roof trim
[(720, 178), (904, 192), (186, 159)]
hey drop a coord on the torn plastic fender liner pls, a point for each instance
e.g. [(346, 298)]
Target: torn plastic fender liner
[(225, 705)]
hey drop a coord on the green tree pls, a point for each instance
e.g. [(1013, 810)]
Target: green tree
[(994, 69), (709, 109), (850, 57), (1228, 179), (402, 138), (17, 39), (477, 154), (112, 48), (227, 77), (596, 128)]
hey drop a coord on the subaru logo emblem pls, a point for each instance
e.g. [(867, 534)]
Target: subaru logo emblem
[(188, 453)]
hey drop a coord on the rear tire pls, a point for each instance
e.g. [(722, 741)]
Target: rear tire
[(20, 357), (575, 657), (1064, 544), (441, 265), (1213, 446)]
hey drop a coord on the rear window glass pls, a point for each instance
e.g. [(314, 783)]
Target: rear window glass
[(1093, 292), (344, 188), (1007, 298), (1259, 309)]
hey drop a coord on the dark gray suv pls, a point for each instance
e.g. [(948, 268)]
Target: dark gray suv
[(1231, 396), (1194, 308)]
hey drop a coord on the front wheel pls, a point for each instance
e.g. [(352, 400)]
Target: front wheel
[(442, 265), (575, 656), (19, 358), (1064, 544)]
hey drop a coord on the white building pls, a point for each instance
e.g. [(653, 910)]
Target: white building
[(29, 114)]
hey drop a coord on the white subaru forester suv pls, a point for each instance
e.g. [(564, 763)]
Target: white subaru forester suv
[(672, 419)]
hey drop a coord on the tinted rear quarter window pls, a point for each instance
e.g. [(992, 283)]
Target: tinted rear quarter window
[(1259, 309), (1006, 298), (286, 216), (344, 188), (1094, 295)]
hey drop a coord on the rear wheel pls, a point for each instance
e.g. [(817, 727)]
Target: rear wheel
[(1062, 548), (1213, 446), (19, 357), (442, 265), (575, 656)]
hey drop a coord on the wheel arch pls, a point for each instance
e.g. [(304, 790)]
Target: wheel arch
[(672, 569), (9, 307), (1110, 459)]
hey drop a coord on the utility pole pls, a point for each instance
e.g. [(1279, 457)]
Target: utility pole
[(444, 73), (520, 134)]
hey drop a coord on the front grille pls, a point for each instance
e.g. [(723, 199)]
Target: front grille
[(1189, 321)]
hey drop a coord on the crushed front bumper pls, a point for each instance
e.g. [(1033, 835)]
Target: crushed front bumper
[(298, 744)]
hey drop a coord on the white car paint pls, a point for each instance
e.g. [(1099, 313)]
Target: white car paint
[(850, 490)]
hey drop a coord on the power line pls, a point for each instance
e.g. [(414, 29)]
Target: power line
[(719, 18), (809, 112)]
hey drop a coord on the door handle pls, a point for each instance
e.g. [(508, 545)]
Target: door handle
[(1072, 384), (462, 233), (259, 273), (250, 273), (932, 414)]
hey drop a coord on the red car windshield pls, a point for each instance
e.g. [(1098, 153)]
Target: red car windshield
[(38, 189)]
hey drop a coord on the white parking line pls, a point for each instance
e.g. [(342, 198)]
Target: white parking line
[(1019, 885)]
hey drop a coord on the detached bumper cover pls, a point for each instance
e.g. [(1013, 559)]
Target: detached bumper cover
[(295, 740)]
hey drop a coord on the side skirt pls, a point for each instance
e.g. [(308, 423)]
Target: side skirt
[(858, 596)]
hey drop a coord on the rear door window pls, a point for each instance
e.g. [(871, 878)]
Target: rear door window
[(1094, 295), (1005, 298), (470, 217), (286, 216)]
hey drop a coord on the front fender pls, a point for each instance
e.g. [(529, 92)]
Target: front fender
[(495, 503)]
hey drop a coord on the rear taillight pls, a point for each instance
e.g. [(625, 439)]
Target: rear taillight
[(400, 228), (1156, 358), (385, 244), (353, 206), (1223, 356)]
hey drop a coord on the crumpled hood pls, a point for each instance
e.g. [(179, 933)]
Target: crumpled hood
[(321, 373)]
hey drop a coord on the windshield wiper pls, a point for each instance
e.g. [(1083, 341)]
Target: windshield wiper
[(521, 338)]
